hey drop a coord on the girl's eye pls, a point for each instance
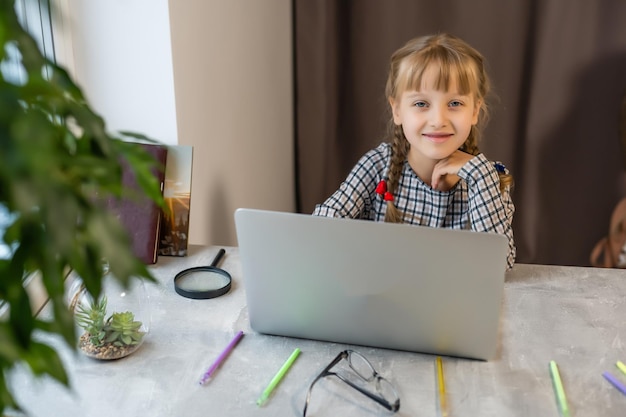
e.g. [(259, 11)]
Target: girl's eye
[(420, 104), (455, 103)]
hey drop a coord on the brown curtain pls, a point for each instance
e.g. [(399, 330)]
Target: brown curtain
[(558, 69)]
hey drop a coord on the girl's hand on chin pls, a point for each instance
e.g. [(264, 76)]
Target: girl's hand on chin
[(444, 174)]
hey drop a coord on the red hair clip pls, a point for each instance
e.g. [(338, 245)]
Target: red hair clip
[(381, 189)]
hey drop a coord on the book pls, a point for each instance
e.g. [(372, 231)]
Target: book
[(174, 234), (139, 214)]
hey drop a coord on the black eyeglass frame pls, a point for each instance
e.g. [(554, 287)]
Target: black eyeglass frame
[(375, 376)]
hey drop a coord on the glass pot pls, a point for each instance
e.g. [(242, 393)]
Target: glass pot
[(115, 325)]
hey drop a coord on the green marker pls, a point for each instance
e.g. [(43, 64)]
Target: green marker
[(558, 389), (277, 378)]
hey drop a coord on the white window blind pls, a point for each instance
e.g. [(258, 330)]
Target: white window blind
[(35, 17)]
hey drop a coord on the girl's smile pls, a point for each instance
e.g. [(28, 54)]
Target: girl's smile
[(437, 137)]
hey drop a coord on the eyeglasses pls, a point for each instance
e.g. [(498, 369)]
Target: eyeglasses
[(386, 395)]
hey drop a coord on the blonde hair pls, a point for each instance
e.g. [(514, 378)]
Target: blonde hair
[(456, 61)]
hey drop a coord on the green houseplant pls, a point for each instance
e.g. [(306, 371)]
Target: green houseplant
[(107, 338), (55, 157)]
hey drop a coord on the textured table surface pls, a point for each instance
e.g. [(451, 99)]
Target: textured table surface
[(575, 316)]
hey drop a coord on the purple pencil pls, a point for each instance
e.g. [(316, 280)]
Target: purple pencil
[(221, 358), (615, 382)]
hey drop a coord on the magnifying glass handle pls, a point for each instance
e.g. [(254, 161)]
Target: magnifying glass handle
[(218, 257)]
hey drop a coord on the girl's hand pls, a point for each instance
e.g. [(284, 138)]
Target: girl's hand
[(444, 174)]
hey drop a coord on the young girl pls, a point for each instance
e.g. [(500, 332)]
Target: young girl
[(432, 173)]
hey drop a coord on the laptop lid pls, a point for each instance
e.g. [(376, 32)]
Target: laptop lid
[(376, 284)]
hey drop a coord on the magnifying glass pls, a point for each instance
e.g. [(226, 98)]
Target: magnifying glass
[(203, 282)]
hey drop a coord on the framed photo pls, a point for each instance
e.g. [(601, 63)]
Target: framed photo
[(174, 235)]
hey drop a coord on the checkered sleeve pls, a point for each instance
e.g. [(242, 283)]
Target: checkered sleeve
[(490, 210), (356, 193)]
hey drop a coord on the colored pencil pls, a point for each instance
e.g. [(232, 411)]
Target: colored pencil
[(441, 384), (615, 382), (558, 389), (278, 377), (221, 358)]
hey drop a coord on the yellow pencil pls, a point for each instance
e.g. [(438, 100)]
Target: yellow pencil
[(441, 384), (621, 367)]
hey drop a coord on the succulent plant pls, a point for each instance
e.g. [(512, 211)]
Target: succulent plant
[(122, 330), (91, 319)]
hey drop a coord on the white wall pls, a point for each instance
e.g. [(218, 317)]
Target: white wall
[(214, 74), (119, 52)]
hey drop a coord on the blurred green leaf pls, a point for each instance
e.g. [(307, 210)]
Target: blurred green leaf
[(42, 359), (57, 161), (6, 399)]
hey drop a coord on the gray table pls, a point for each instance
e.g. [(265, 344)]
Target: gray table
[(575, 316)]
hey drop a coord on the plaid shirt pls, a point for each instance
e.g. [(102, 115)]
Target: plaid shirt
[(475, 202)]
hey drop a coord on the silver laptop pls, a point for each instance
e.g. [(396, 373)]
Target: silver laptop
[(360, 282)]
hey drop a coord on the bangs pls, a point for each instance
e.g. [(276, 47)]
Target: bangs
[(446, 65)]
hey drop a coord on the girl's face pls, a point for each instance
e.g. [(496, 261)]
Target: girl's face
[(436, 123)]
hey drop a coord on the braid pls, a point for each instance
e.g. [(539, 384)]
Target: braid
[(399, 151), (471, 147), (506, 180)]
